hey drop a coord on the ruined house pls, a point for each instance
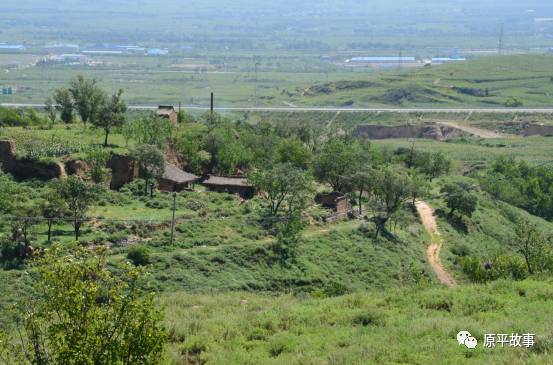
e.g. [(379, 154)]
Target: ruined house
[(231, 185), (337, 202), (176, 180), (123, 170), (169, 112), (27, 169)]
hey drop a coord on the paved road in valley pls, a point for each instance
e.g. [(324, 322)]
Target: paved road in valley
[(329, 109)]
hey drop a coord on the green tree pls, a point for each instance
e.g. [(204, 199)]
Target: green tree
[(80, 312), (51, 111), (78, 197), (283, 186), (151, 163), (111, 114), (433, 165), (459, 198), (87, 98), (151, 130), (64, 103), (419, 186), (392, 189), (363, 181), (295, 152), (97, 160), (336, 162), (532, 245), (53, 209), (288, 237)]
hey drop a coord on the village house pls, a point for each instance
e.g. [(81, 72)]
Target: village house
[(232, 185), (169, 112), (176, 180)]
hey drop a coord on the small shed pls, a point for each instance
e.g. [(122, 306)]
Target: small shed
[(175, 179), (169, 112), (337, 202), (232, 185)]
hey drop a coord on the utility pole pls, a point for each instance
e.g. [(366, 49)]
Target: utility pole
[(500, 46), (255, 79), (173, 220), (400, 58), (211, 107)]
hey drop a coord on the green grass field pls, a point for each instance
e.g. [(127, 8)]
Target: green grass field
[(287, 81)]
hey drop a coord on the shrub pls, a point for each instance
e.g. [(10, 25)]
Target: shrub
[(139, 255)]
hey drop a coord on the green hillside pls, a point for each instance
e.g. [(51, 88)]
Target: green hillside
[(483, 82)]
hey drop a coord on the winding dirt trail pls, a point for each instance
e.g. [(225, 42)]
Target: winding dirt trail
[(433, 252)]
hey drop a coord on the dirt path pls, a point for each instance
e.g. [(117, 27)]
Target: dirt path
[(479, 132), (433, 253)]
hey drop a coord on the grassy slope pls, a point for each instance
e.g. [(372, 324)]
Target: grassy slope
[(527, 78), (401, 326), (281, 79)]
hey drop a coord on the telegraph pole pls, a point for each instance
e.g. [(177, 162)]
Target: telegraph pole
[(500, 46)]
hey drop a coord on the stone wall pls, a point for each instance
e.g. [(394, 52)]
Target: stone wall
[(123, 170)]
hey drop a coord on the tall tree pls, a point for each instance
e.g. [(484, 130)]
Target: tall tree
[(392, 189), (363, 181), (283, 186), (53, 209), (78, 311), (87, 98), (336, 162), (151, 163), (78, 197), (531, 244), (151, 130), (51, 110), (459, 198), (111, 114), (64, 103)]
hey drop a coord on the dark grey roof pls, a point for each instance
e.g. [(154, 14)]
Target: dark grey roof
[(173, 173), (227, 181), (165, 110)]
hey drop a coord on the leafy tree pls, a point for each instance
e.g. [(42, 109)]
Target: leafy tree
[(419, 186), (433, 165), (532, 245), (79, 312), (87, 98), (283, 186), (151, 162), (53, 209), (336, 162), (151, 130), (78, 197), (51, 110), (64, 103), (295, 152), (111, 114), (287, 239), (459, 198), (228, 154), (363, 181), (190, 144), (392, 189), (97, 160)]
